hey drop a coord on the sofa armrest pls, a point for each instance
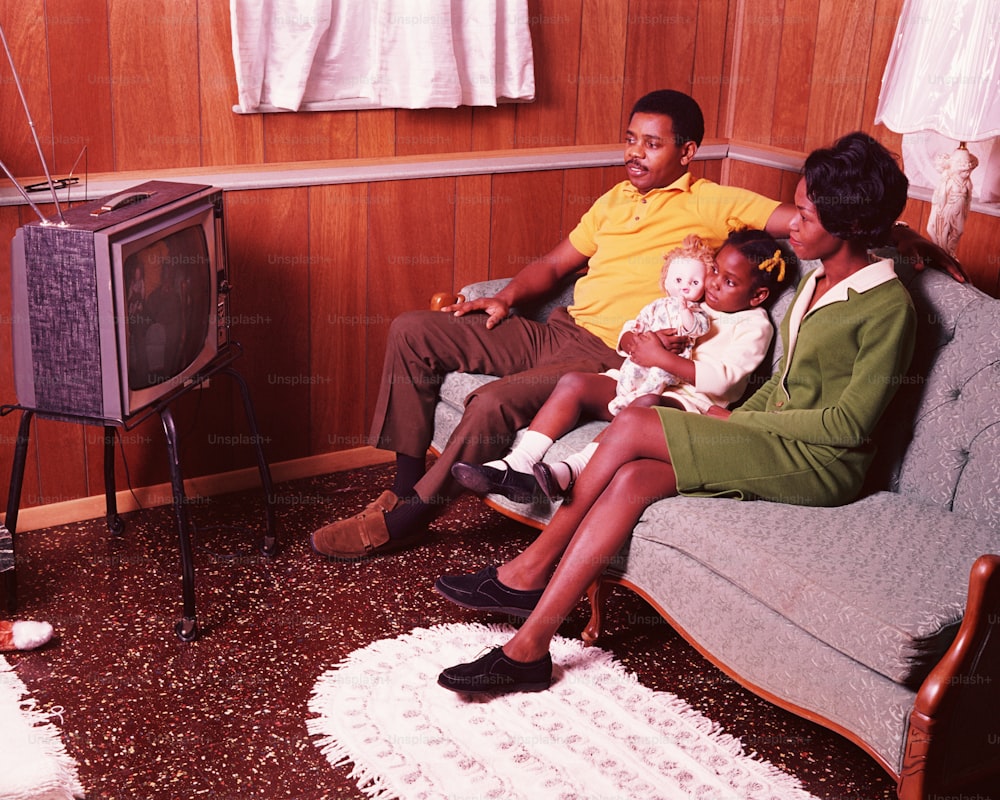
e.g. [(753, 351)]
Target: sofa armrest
[(539, 310), (471, 292), (952, 739)]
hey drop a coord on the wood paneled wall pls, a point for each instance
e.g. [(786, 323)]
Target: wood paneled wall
[(147, 84), (319, 271)]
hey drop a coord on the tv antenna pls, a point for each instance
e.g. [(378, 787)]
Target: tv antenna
[(38, 145)]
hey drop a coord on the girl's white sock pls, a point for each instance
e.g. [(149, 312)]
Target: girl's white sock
[(529, 451), (566, 471)]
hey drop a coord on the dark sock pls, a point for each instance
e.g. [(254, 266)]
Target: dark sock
[(408, 517), (409, 470)]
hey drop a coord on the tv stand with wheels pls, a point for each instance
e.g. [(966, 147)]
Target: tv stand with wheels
[(187, 627)]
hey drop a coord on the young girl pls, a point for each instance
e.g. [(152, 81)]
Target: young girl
[(749, 267), (805, 436)]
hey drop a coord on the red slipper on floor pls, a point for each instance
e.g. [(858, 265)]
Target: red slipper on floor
[(23, 635)]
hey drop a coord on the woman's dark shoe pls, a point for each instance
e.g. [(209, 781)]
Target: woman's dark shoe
[(483, 591), (517, 486), (549, 484), (496, 673)]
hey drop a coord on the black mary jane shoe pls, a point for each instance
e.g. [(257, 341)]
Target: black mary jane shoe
[(483, 591), (546, 480), (495, 673), (517, 486)]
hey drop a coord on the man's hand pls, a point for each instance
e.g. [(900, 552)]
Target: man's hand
[(923, 252), (718, 411), (496, 309)]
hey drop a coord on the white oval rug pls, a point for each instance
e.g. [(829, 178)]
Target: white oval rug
[(597, 733)]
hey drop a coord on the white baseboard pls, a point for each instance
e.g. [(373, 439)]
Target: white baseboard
[(86, 508)]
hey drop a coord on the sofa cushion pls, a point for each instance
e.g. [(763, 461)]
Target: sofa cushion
[(884, 580), (954, 416)]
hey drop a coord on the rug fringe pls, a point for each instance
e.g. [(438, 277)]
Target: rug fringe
[(46, 734), (367, 781)]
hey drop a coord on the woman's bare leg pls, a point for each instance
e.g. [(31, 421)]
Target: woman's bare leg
[(604, 530), (634, 434)]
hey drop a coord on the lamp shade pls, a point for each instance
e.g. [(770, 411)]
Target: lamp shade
[(943, 72)]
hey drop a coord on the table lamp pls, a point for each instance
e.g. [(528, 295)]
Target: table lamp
[(943, 75)]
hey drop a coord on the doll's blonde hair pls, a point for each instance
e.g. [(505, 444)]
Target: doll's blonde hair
[(693, 247)]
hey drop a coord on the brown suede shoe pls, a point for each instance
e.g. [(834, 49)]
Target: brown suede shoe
[(386, 501), (362, 536)]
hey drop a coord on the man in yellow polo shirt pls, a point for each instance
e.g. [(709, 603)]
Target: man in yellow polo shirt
[(621, 241)]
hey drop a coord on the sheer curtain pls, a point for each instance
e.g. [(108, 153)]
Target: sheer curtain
[(942, 86), (310, 55)]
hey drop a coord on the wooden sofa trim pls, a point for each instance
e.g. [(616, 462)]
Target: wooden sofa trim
[(949, 720)]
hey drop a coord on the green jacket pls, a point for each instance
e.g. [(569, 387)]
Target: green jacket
[(832, 395)]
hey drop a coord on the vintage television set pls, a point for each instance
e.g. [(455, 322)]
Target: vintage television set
[(121, 302)]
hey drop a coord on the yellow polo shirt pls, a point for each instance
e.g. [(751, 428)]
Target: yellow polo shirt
[(626, 234)]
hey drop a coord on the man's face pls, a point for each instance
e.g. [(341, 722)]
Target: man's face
[(653, 159)]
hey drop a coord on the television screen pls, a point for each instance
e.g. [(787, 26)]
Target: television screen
[(168, 293)]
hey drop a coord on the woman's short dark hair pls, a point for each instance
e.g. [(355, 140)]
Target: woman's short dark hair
[(857, 187), (683, 110), (776, 265)]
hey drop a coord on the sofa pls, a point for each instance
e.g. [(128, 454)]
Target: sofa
[(879, 619)]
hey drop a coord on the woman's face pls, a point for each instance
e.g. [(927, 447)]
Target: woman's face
[(808, 238)]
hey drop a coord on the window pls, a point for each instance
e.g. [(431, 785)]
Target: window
[(315, 55)]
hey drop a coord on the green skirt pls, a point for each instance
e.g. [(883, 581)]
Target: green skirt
[(727, 458)]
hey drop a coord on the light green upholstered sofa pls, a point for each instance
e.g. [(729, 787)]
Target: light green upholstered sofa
[(879, 619)]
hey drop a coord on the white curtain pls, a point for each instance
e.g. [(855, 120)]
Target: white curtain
[(308, 55)]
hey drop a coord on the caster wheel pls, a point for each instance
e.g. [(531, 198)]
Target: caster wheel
[(116, 526), (186, 630)]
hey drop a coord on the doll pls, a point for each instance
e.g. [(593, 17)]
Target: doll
[(683, 283)]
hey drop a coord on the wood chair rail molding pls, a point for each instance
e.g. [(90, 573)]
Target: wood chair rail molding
[(366, 170), (355, 170)]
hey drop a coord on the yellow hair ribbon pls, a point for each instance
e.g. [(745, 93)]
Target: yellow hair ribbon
[(777, 260)]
